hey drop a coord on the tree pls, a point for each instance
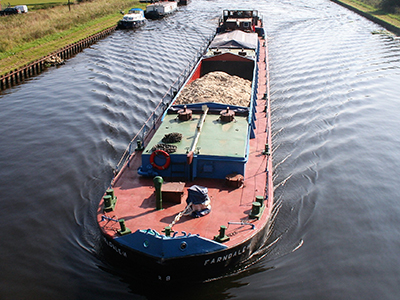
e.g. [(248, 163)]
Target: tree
[(390, 5)]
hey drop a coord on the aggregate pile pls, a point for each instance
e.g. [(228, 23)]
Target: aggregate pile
[(217, 87)]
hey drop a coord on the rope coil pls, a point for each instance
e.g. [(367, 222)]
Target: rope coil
[(164, 147)]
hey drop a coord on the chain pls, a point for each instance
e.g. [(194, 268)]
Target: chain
[(178, 216)]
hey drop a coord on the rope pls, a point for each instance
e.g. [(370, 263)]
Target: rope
[(178, 216), (173, 137), (165, 147)]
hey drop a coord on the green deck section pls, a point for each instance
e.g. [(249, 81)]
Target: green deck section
[(216, 138)]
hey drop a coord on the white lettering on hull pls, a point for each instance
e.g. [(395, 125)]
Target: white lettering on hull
[(225, 257), (115, 248)]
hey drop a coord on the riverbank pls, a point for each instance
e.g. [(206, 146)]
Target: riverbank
[(389, 21), (29, 37)]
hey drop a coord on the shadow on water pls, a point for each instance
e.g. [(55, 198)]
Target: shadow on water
[(215, 289)]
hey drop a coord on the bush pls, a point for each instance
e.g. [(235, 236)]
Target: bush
[(390, 6), (374, 3)]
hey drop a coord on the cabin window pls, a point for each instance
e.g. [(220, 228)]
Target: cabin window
[(246, 24)]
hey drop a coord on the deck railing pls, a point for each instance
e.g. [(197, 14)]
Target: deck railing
[(161, 107)]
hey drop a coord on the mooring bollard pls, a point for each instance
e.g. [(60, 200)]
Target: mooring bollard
[(158, 181)]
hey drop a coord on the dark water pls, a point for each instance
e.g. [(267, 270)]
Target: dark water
[(335, 99)]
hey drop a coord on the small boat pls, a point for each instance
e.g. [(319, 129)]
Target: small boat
[(133, 19), (194, 200), (160, 9)]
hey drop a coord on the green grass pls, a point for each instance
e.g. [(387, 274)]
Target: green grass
[(56, 37), (28, 37), (37, 4), (32, 2), (372, 7), (28, 52)]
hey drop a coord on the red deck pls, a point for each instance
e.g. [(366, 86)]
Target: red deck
[(136, 198)]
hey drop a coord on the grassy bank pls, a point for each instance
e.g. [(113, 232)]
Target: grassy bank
[(37, 4), (27, 37), (373, 10)]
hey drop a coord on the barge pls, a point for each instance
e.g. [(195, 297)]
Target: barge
[(194, 200), (159, 10)]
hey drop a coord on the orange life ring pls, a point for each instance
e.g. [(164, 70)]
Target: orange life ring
[(167, 159)]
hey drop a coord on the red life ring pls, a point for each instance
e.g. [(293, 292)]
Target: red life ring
[(163, 153)]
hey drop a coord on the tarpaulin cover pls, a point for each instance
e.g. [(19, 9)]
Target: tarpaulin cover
[(235, 39), (197, 195)]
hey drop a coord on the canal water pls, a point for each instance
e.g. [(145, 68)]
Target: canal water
[(336, 148)]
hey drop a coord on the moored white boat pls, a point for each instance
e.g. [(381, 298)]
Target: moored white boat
[(133, 19)]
